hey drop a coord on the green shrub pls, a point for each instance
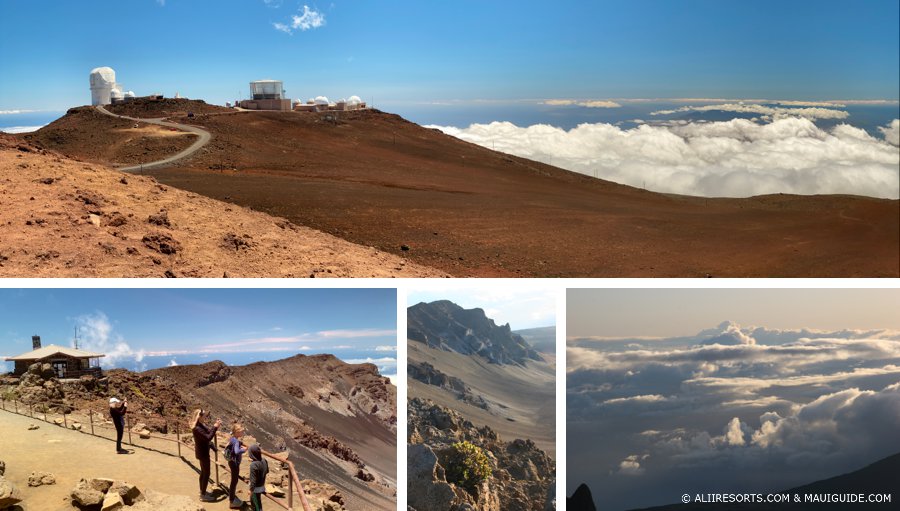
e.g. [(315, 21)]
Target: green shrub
[(467, 466)]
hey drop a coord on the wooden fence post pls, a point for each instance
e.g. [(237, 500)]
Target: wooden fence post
[(216, 456), (290, 493), (178, 439), (91, 415), (127, 425), (65, 422), (45, 413), (16, 402)]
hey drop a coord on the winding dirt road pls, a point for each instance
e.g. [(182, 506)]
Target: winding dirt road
[(203, 138)]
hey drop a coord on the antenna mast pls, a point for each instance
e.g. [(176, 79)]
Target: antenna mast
[(76, 337)]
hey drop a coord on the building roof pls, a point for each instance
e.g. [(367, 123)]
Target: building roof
[(53, 349)]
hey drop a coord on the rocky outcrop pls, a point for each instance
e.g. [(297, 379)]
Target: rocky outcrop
[(39, 385), (322, 497), (521, 475), (428, 374), (447, 326)]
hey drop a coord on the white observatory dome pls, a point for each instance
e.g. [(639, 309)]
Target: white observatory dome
[(353, 100), (103, 81), (116, 94), (103, 76), (321, 100), (129, 94)]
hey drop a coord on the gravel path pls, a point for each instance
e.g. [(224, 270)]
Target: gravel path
[(203, 138)]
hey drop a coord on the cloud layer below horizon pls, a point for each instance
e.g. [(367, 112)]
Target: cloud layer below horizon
[(729, 409), (736, 158)]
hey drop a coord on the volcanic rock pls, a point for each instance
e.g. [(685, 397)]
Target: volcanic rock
[(41, 478), (447, 326), (9, 494)]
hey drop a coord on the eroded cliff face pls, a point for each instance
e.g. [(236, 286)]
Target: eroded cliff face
[(447, 326), (522, 477)]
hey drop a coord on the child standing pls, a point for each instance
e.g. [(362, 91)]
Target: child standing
[(259, 469)]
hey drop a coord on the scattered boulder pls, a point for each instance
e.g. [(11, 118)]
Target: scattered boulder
[(58, 421), (9, 494), (33, 427), (85, 495), (161, 218), (116, 219), (274, 491), (2, 467), (144, 434), (129, 493), (112, 501), (76, 426), (108, 495), (41, 479), (162, 243)]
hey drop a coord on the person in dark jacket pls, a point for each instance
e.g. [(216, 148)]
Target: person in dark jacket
[(117, 410), (203, 439), (259, 469), (234, 463)]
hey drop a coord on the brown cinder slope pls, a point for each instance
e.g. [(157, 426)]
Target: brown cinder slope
[(63, 218), (376, 179), (338, 420)]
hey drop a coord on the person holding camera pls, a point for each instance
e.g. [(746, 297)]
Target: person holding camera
[(203, 439), (117, 410)]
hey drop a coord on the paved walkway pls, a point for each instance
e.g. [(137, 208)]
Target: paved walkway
[(203, 138)]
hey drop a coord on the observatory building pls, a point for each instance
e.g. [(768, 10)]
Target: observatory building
[(104, 89), (266, 95)]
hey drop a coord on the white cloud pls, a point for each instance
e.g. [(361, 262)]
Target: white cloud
[(96, 334), (173, 363), (385, 348), (892, 132), (589, 103), (309, 19), (13, 112), (631, 466), (274, 4), (737, 158)]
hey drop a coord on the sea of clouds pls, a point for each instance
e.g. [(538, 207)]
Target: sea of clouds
[(731, 408), (780, 151)]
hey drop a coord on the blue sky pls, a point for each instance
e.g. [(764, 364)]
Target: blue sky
[(522, 306), (128, 324), (418, 51)]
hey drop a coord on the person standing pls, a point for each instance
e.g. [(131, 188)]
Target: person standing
[(233, 453), (259, 469), (203, 437), (117, 410)]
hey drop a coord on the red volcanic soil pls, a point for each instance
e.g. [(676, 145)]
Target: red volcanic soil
[(89, 135), (376, 179)]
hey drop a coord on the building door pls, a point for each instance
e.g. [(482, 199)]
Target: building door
[(59, 367)]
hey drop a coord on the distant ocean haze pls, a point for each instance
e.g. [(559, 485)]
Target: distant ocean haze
[(26, 122)]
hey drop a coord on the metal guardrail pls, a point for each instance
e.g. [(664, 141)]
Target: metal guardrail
[(293, 481)]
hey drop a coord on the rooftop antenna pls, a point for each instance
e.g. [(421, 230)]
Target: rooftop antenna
[(76, 337)]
